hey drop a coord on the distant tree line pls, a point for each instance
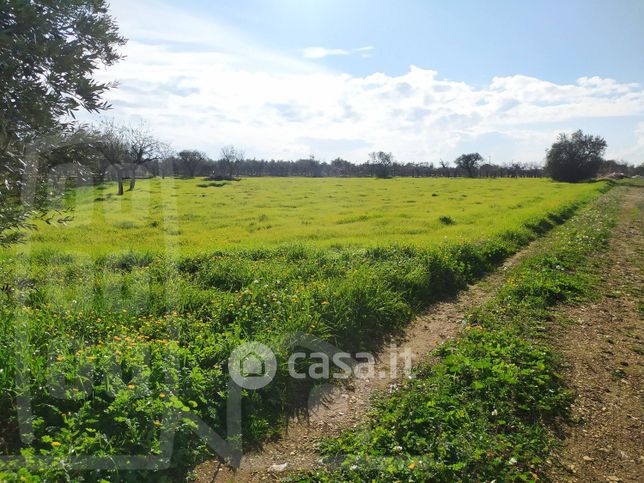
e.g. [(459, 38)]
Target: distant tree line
[(112, 152), (123, 153), (159, 160), (339, 167), (192, 163), (231, 163)]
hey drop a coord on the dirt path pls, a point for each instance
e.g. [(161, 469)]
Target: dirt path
[(345, 406), (603, 352)]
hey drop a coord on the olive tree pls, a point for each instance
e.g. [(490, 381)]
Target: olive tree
[(49, 52), (576, 157), (381, 163), (469, 163), (190, 161)]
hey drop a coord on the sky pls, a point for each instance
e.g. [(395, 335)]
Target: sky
[(425, 80)]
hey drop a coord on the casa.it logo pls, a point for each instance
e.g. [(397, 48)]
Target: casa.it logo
[(252, 365)]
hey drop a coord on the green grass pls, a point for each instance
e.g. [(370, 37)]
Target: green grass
[(141, 300), (485, 410), (189, 216)]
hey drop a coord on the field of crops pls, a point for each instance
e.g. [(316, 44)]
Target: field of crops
[(105, 346)]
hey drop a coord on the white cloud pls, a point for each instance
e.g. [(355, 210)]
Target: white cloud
[(321, 52), (204, 85), (365, 52), (632, 152)]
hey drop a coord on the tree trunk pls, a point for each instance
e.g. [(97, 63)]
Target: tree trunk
[(119, 180), (133, 178)]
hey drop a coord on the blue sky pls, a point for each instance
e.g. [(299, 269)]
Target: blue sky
[(471, 41), (424, 79)]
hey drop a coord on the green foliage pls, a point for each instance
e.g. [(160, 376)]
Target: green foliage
[(48, 54), (381, 164), (483, 411), (576, 157), (169, 323), (469, 163)]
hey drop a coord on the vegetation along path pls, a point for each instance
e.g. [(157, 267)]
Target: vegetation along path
[(344, 406), (602, 347)]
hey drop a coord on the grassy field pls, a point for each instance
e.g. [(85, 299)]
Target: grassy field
[(489, 404), (166, 308), (193, 216)]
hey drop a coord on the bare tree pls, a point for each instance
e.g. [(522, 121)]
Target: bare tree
[(113, 147), (165, 163), (126, 148), (230, 155), (143, 148), (382, 163), (444, 167)]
